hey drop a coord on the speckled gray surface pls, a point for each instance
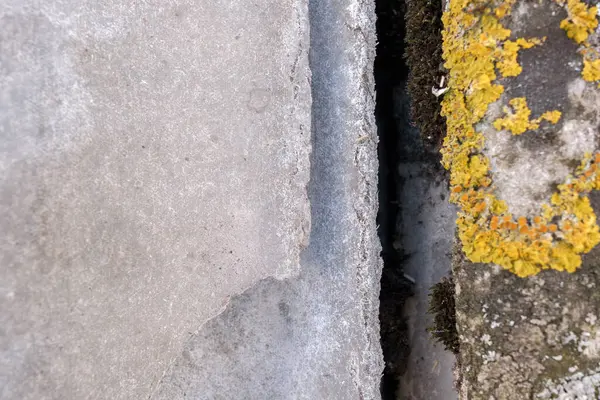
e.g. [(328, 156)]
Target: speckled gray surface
[(537, 337), (155, 162)]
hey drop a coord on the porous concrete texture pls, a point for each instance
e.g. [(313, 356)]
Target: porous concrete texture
[(155, 162), (528, 338), (537, 337)]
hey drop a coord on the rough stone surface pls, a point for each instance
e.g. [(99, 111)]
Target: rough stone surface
[(536, 337), (155, 163), (520, 338), (527, 167)]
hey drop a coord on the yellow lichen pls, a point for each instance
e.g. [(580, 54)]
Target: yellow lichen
[(507, 63), (517, 121), (476, 45), (580, 22), (591, 70)]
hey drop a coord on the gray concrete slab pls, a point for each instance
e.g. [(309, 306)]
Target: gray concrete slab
[(315, 336), (154, 161)]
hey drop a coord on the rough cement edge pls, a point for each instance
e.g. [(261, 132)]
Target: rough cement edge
[(360, 19), (366, 205), (300, 79), (300, 140)]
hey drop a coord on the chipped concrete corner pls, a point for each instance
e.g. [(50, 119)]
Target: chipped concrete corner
[(156, 208), (527, 331)]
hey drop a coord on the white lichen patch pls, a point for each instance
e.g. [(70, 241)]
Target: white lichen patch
[(586, 99), (524, 175), (578, 386), (589, 344), (571, 337), (591, 319), (490, 356), (486, 339), (577, 137), (538, 322)]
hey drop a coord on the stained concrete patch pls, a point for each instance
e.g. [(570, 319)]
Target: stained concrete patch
[(154, 159)]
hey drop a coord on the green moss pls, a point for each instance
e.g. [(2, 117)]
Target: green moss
[(443, 309), (423, 54)]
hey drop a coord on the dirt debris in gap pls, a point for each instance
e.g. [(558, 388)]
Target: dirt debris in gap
[(424, 59), (442, 307), (407, 66)]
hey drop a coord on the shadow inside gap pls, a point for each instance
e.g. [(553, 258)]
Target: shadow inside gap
[(391, 72)]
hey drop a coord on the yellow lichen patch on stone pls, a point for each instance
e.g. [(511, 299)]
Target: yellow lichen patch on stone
[(580, 22), (591, 70), (517, 120), (507, 63), (551, 116), (476, 45)]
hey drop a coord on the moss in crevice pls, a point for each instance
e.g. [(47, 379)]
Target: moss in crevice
[(423, 54), (443, 309)]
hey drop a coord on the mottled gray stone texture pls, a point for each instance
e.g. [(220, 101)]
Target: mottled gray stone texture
[(536, 337), (155, 161)]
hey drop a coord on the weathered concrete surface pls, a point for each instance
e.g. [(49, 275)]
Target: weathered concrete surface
[(315, 336), (154, 159), (537, 337), (155, 162)]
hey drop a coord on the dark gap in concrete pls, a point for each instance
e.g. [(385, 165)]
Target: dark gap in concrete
[(407, 65), (391, 72)]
